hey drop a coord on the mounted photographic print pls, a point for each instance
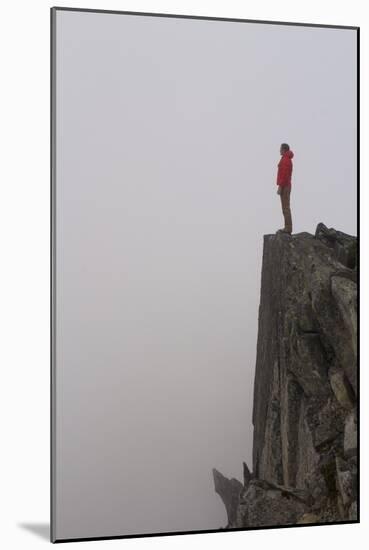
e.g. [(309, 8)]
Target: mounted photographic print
[(204, 272)]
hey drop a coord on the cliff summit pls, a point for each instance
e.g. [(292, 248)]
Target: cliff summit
[(305, 388)]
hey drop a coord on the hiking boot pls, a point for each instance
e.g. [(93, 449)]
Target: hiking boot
[(284, 230)]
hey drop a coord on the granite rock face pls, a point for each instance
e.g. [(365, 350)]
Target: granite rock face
[(305, 389)]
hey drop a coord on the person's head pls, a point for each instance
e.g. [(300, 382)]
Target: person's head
[(284, 147)]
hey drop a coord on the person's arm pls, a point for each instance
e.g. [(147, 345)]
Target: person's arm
[(283, 172), (281, 175)]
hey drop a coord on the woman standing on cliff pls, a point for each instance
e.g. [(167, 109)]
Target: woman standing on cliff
[(284, 185)]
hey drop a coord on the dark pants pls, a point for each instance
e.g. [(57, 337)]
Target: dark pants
[(286, 209)]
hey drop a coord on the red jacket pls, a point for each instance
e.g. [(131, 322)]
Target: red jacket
[(285, 169)]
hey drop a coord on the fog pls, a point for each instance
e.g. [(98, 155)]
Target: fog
[(167, 144)]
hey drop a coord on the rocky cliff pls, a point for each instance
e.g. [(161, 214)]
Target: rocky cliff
[(305, 389)]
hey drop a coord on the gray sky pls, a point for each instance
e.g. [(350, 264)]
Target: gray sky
[(168, 135)]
